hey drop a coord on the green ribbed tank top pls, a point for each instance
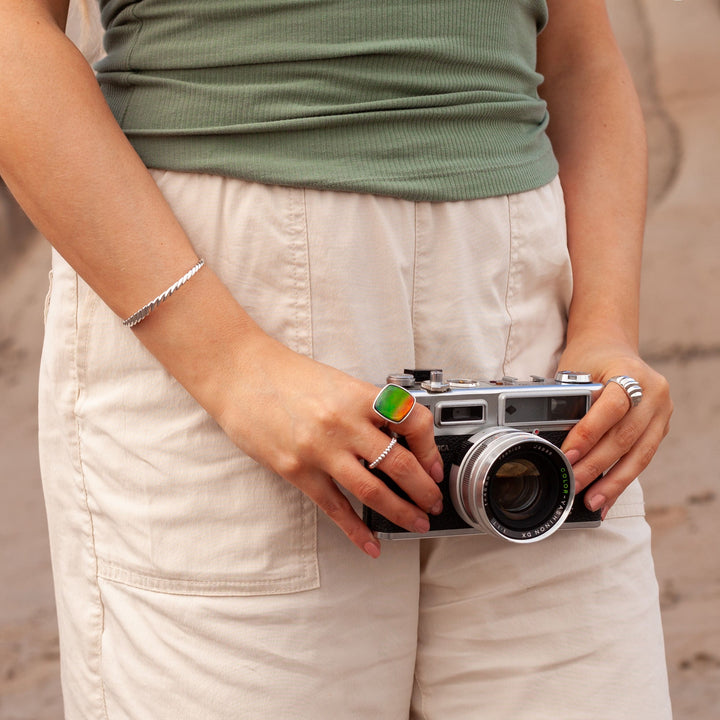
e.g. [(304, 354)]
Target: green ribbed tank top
[(421, 99)]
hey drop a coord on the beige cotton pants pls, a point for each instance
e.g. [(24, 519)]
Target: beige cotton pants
[(193, 584)]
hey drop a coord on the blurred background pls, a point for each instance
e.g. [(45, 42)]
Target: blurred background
[(673, 51)]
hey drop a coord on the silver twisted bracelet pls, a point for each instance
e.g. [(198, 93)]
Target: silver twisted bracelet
[(145, 310)]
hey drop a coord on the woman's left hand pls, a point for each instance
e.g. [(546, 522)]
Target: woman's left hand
[(614, 436)]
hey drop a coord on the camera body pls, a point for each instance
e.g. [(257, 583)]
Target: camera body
[(505, 474)]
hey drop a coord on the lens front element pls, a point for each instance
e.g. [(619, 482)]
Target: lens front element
[(514, 485), (516, 488)]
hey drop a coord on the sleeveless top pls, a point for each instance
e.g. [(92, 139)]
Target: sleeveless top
[(420, 99)]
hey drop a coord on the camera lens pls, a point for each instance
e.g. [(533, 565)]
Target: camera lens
[(523, 488), (513, 484), (515, 489)]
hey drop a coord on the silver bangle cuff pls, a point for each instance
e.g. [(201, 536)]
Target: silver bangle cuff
[(145, 310)]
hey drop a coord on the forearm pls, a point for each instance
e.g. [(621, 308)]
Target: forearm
[(77, 177), (597, 132), (71, 168)]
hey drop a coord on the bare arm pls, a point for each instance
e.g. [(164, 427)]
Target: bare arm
[(598, 135), (71, 168)]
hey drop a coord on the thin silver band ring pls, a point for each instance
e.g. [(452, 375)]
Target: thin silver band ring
[(631, 386), (383, 454)]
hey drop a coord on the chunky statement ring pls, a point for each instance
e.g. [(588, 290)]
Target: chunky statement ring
[(393, 403), (383, 454), (631, 387)]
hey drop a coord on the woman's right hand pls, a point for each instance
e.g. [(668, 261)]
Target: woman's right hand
[(313, 424), (308, 422), (70, 166)]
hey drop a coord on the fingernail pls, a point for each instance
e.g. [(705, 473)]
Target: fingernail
[(372, 550), (437, 472), (422, 525), (573, 456), (436, 509), (596, 502)]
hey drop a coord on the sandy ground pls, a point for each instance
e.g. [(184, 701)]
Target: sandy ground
[(674, 54)]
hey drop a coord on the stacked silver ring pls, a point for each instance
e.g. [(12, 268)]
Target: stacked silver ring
[(631, 386), (383, 454)]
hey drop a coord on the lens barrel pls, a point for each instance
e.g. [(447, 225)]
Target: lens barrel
[(513, 484)]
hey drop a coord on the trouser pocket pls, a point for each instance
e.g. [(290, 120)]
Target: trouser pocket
[(175, 506)]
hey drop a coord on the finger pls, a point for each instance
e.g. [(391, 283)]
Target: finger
[(605, 491), (326, 495), (605, 413), (617, 442), (373, 492), (403, 467), (401, 464), (419, 431)]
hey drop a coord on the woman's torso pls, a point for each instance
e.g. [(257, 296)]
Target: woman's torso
[(424, 99)]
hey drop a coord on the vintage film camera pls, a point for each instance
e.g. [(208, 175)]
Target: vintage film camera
[(505, 474)]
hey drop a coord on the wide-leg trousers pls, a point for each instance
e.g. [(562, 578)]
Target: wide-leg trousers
[(193, 583)]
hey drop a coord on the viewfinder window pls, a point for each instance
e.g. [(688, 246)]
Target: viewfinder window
[(538, 409)]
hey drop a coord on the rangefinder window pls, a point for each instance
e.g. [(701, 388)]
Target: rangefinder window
[(460, 413), (560, 408)]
